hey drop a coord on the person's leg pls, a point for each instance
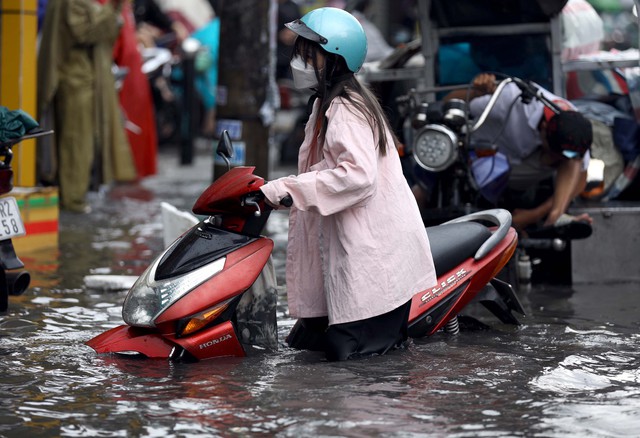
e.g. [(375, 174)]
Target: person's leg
[(75, 122), (368, 337), (524, 217), (308, 334)]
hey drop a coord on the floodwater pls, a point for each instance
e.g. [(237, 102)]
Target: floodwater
[(571, 369)]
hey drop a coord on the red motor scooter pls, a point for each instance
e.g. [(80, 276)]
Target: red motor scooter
[(185, 304)]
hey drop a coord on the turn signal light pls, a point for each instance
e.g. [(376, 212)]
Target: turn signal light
[(199, 320)]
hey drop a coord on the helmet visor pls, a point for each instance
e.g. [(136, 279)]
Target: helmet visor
[(304, 31)]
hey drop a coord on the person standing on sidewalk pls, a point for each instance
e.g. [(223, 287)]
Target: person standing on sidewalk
[(77, 98)]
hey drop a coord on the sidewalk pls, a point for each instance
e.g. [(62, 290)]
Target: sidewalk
[(139, 204), (134, 209), (180, 184)]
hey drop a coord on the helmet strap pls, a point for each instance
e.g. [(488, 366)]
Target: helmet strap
[(330, 78)]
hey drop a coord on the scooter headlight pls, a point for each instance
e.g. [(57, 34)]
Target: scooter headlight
[(142, 304), (148, 297), (435, 148)]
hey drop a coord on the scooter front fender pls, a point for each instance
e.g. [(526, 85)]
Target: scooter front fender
[(127, 339), (217, 341)]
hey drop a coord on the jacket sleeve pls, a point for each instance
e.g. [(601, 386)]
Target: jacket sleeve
[(91, 22), (326, 189)]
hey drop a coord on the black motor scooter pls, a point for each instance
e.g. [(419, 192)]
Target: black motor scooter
[(14, 280)]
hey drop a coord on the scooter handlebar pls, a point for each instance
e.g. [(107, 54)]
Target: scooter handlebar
[(287, 201), (529, 92), (255, 197)]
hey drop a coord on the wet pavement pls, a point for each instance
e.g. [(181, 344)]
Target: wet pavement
[(571, 369)]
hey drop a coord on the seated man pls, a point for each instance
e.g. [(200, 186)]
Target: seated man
[(541, 146)]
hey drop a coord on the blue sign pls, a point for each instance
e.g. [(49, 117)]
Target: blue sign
[(233, 126), (239, 154)]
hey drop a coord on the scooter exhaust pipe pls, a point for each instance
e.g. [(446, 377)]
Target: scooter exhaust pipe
[(17, 282)]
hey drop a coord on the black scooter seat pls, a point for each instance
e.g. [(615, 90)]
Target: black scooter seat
[(451, 244)]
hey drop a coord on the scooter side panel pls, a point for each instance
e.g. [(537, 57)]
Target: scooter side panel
[(241, 270), (495, 261), (125, 338), (476, 273)]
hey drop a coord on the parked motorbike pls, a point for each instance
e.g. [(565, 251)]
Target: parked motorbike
[(458, 172), (160, 66), (172, 76), (184, 305), (13, 279), (461, 174)]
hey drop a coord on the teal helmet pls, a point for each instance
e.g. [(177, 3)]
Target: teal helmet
[(336, 31)]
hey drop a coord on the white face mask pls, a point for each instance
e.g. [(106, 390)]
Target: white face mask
[(304, 76)]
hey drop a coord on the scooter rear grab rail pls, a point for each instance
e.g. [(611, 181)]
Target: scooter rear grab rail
[(497, 216)]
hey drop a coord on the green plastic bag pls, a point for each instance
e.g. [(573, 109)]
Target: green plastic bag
[(15, 124)]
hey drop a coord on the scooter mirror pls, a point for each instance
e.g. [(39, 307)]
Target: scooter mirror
[(225, 148)]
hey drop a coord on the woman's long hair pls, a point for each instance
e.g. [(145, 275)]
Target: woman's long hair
[(335, 79)]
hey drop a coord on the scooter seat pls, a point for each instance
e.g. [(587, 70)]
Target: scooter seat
[(451, 244)]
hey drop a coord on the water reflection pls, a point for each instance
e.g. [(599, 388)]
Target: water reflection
[(570, 369), (46, 262), (545, 378)]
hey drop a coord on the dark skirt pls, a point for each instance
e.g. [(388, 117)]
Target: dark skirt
[(352, 340)]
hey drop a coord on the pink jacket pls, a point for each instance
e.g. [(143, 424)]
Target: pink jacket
[(357, 245)]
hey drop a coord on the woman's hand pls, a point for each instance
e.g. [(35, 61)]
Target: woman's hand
[(270, 204)]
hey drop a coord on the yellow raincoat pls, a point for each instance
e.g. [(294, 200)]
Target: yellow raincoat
[(77, 98)]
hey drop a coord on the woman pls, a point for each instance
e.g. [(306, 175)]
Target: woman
[(357, 249)]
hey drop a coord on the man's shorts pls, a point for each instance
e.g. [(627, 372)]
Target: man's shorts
[(529, 172)]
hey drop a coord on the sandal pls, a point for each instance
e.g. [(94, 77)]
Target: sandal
[(567, 227)]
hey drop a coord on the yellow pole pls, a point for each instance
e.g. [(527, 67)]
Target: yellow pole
[(18, 57)]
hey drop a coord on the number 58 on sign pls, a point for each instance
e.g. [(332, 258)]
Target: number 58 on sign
[(10, 221)]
